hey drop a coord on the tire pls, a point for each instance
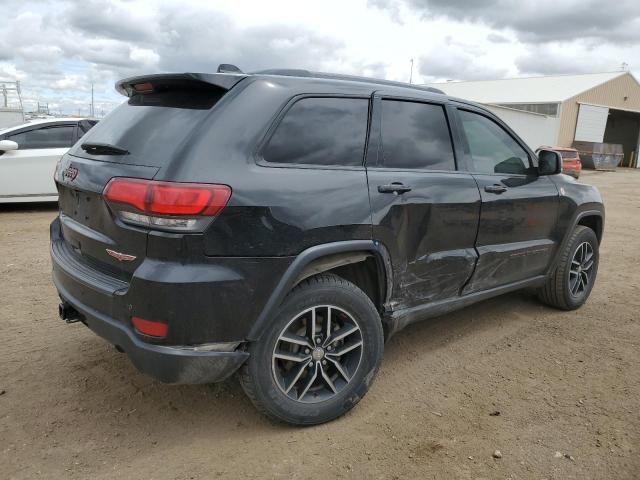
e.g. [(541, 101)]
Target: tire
[(560, 291), (285, 390)]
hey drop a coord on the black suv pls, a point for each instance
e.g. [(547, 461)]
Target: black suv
[(283, 224)]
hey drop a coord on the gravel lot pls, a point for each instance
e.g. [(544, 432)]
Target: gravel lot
[(72, 407)]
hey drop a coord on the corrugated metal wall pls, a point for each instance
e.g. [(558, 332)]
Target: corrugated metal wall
[(610, 94)]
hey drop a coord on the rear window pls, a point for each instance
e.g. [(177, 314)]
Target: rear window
[(568, 155), (415, 135), (191, 96), (152, 127), (321, 131)]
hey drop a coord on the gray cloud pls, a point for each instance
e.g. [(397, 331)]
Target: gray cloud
[(544, 60), (104, 19), (497, 38), (540, 21), (63, 46), (198, 46), (57, 48), (458, 65)]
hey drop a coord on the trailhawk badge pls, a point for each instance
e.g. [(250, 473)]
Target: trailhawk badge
[(123, 257), (70, 173)]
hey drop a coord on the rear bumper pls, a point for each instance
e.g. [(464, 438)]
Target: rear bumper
[(572, 169), (169, 364), (209, 307)]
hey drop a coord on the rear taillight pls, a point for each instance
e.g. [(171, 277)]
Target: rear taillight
[(166, 205)]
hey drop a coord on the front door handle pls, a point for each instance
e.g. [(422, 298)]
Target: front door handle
[(396, 187), (495, 189)]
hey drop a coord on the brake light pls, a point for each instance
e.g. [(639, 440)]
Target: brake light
[(146, 87), (150, 328), (166, 205)]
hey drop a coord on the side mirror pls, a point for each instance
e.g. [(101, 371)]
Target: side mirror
[(6, 145), (549, 162)]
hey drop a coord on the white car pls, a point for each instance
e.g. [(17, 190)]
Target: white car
[(29, 153)]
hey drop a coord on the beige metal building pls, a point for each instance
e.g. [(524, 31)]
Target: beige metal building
[(558, 110)]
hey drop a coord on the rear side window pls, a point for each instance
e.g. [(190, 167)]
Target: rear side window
[(415, 135), (491, 148), (321, 131), (45, 137)]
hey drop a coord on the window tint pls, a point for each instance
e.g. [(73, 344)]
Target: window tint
[(45, 137), (491, 148), (321, 131), (415, 135)]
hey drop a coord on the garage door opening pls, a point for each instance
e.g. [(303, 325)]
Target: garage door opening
[(624, 128)]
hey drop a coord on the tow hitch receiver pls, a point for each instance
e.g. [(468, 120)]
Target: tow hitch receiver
[(68, 313)]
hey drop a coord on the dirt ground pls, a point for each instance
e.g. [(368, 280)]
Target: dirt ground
[(568, 382)]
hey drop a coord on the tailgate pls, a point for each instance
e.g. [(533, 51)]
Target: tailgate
[(88, 226)]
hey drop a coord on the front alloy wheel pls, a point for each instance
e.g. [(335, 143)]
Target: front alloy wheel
[(570, 283), (581, 269)]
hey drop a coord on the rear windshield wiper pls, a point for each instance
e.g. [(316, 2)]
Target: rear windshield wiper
[(103, 149)]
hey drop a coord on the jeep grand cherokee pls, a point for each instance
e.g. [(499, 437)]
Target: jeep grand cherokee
[(283, 224)]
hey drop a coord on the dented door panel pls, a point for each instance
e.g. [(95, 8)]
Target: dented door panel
[(429, 231)]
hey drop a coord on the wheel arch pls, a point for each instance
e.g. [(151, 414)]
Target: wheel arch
[(324, 258), (593, 219)]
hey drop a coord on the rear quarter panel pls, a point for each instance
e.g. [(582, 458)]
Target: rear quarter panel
[(273, 211)]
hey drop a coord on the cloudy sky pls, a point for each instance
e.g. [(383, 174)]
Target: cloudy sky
[(56, 48)]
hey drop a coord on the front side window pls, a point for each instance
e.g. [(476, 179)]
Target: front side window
[(491, 148), (415, 136), (45, 137), (321, 131)]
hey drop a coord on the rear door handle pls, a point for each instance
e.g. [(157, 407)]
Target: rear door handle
[(397, 188), (495, 189)]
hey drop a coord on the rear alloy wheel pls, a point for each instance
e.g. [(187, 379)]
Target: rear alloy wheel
[(318, 356), (570, 284)]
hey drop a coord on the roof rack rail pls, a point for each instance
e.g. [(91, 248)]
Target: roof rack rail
[(295, 72)]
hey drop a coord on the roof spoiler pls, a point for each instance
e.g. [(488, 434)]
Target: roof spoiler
[(225, 81)]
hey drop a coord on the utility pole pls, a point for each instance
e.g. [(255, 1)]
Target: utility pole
[(91, 114), (411, 73)]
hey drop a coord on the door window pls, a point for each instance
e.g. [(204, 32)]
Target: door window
[(491, 148), (45, 137), (415, 136), (321, 131)]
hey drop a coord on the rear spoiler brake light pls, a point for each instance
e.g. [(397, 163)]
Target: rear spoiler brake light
[(225, 81)]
